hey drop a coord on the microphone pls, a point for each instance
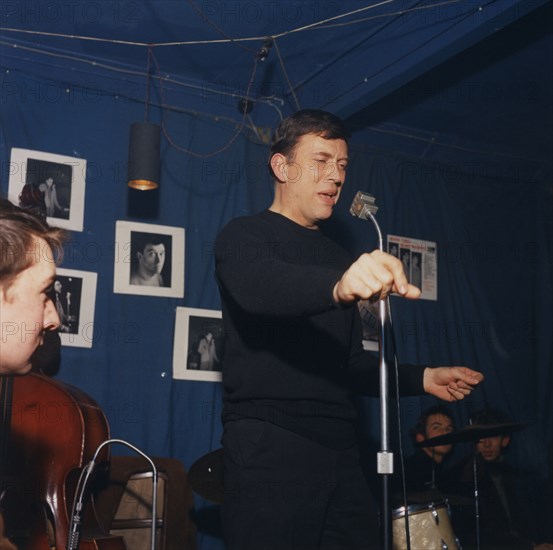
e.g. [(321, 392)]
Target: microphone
[(363, 206)]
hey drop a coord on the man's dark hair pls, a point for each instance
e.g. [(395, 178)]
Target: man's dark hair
[(420, 426), (18, 229), (306, 121), (139, 240)]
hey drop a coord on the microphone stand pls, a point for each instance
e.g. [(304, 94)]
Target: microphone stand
[(476, 494), (363, 207)]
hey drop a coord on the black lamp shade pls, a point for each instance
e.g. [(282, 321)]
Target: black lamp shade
[(144, 163)]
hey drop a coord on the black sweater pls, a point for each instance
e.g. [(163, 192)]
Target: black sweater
[(293, 356)]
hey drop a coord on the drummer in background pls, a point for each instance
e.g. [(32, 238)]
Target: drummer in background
[(426, 471), (501, 515)]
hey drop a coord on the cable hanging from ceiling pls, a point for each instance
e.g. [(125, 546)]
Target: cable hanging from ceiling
[(245, 101), (410, 52), (269, 100), (317, 25), (321, 24), (238, 131), (244, 105)]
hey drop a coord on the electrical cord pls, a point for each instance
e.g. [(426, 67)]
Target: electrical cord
[(78, 501)]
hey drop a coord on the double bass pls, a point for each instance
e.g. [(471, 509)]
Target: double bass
[(49, 432)]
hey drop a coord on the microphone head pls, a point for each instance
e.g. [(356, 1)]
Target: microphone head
[(362, 205)]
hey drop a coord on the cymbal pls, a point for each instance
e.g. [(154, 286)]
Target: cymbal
[(436, 496), (206, 476), (474, 432)]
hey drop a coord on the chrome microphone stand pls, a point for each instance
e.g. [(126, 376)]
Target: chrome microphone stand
[(363, 206)]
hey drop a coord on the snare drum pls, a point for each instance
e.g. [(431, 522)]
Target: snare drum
[(429, 527)]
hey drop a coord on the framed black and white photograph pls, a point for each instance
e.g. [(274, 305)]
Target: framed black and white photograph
[(50, 183), (74, 296), (149, 260), (198, 348)]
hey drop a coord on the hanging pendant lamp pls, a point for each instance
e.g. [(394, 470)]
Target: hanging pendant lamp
[(144, 142), (144, 161)]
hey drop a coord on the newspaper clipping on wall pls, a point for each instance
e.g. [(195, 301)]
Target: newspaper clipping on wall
[(419, 260)]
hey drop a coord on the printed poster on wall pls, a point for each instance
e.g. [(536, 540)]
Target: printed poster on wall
[(419, 260)]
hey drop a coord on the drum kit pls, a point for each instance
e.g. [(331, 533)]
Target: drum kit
[(429, 527), (427, 518)]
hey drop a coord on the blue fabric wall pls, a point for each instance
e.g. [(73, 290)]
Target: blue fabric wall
[(493, 229)]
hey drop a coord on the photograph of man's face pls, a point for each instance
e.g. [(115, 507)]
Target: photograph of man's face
[(152, 258), (149, 258)]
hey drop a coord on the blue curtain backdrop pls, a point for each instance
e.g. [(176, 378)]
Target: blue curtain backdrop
[(491, 219)]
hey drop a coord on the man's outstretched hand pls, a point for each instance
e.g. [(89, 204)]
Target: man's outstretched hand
[(451, 383)]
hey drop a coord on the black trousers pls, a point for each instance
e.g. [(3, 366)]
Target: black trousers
[(286, 492)]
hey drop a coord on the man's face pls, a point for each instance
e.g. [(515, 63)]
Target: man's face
[(436, 425), (313, 177), (153, 258), (491, 447), (57, 287), (26, 312)]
